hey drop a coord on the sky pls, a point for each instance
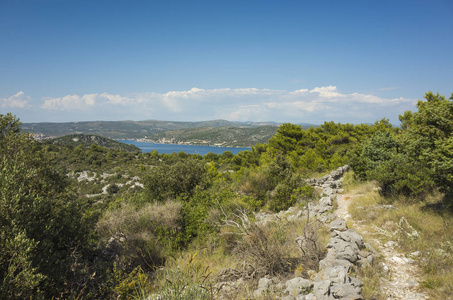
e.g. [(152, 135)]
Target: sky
[(282, 61)]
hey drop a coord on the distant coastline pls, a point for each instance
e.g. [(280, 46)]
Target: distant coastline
[(176, 142), (189, 149)]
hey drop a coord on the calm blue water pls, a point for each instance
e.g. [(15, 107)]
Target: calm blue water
[(189, 149)]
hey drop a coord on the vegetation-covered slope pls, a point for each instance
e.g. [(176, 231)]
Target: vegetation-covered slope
[(225, 136), (137, 210), (86, 141)]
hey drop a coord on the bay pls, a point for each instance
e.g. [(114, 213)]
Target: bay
[(189, 149)]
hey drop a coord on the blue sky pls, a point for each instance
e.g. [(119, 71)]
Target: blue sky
[(285, 61)]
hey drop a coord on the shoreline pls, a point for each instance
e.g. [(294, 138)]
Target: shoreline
[(182, 144)]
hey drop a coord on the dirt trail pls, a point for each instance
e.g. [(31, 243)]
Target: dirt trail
[(404, 278)]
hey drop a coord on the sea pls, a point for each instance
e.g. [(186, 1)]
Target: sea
[(189, 149)]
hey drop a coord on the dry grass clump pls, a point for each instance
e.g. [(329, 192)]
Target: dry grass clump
[(184, 277), (248, 251), (311, 241), (255, 183), (260, 249), (130, 219), (165, 214), (423, 226), (130, 233), (271, 249)]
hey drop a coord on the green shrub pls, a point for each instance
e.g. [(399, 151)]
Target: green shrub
[(179, 179), (19, 278), (280, 198), (40, 218)]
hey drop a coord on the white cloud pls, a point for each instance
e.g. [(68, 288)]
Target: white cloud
[(327, 92), (70, 102), (115, 99), (18, 100), (246, 104), (299, 92), (82, 103)]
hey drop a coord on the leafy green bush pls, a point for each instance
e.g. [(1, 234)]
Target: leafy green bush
[(19, 278), (255, 183), (285, 195), (41, 223)]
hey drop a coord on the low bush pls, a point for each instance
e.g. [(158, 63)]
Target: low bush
[(261, 252), (280, 198), (286, 195), (270, 249)]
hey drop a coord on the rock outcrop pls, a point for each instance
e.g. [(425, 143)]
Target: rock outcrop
[(333, 280)]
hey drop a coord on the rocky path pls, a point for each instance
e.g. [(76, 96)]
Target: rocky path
[(345, 250), (403, 280)]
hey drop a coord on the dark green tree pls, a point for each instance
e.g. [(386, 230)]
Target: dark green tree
[(428, 138), (287, 137), (419, 158)]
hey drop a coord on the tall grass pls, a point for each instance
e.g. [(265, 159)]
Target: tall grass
[(184, 277)]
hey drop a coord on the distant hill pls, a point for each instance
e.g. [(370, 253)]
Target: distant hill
[(122, 129), (219, 136), (75, 140)]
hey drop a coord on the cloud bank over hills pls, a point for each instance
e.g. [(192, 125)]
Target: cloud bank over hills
[(240, 104)]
